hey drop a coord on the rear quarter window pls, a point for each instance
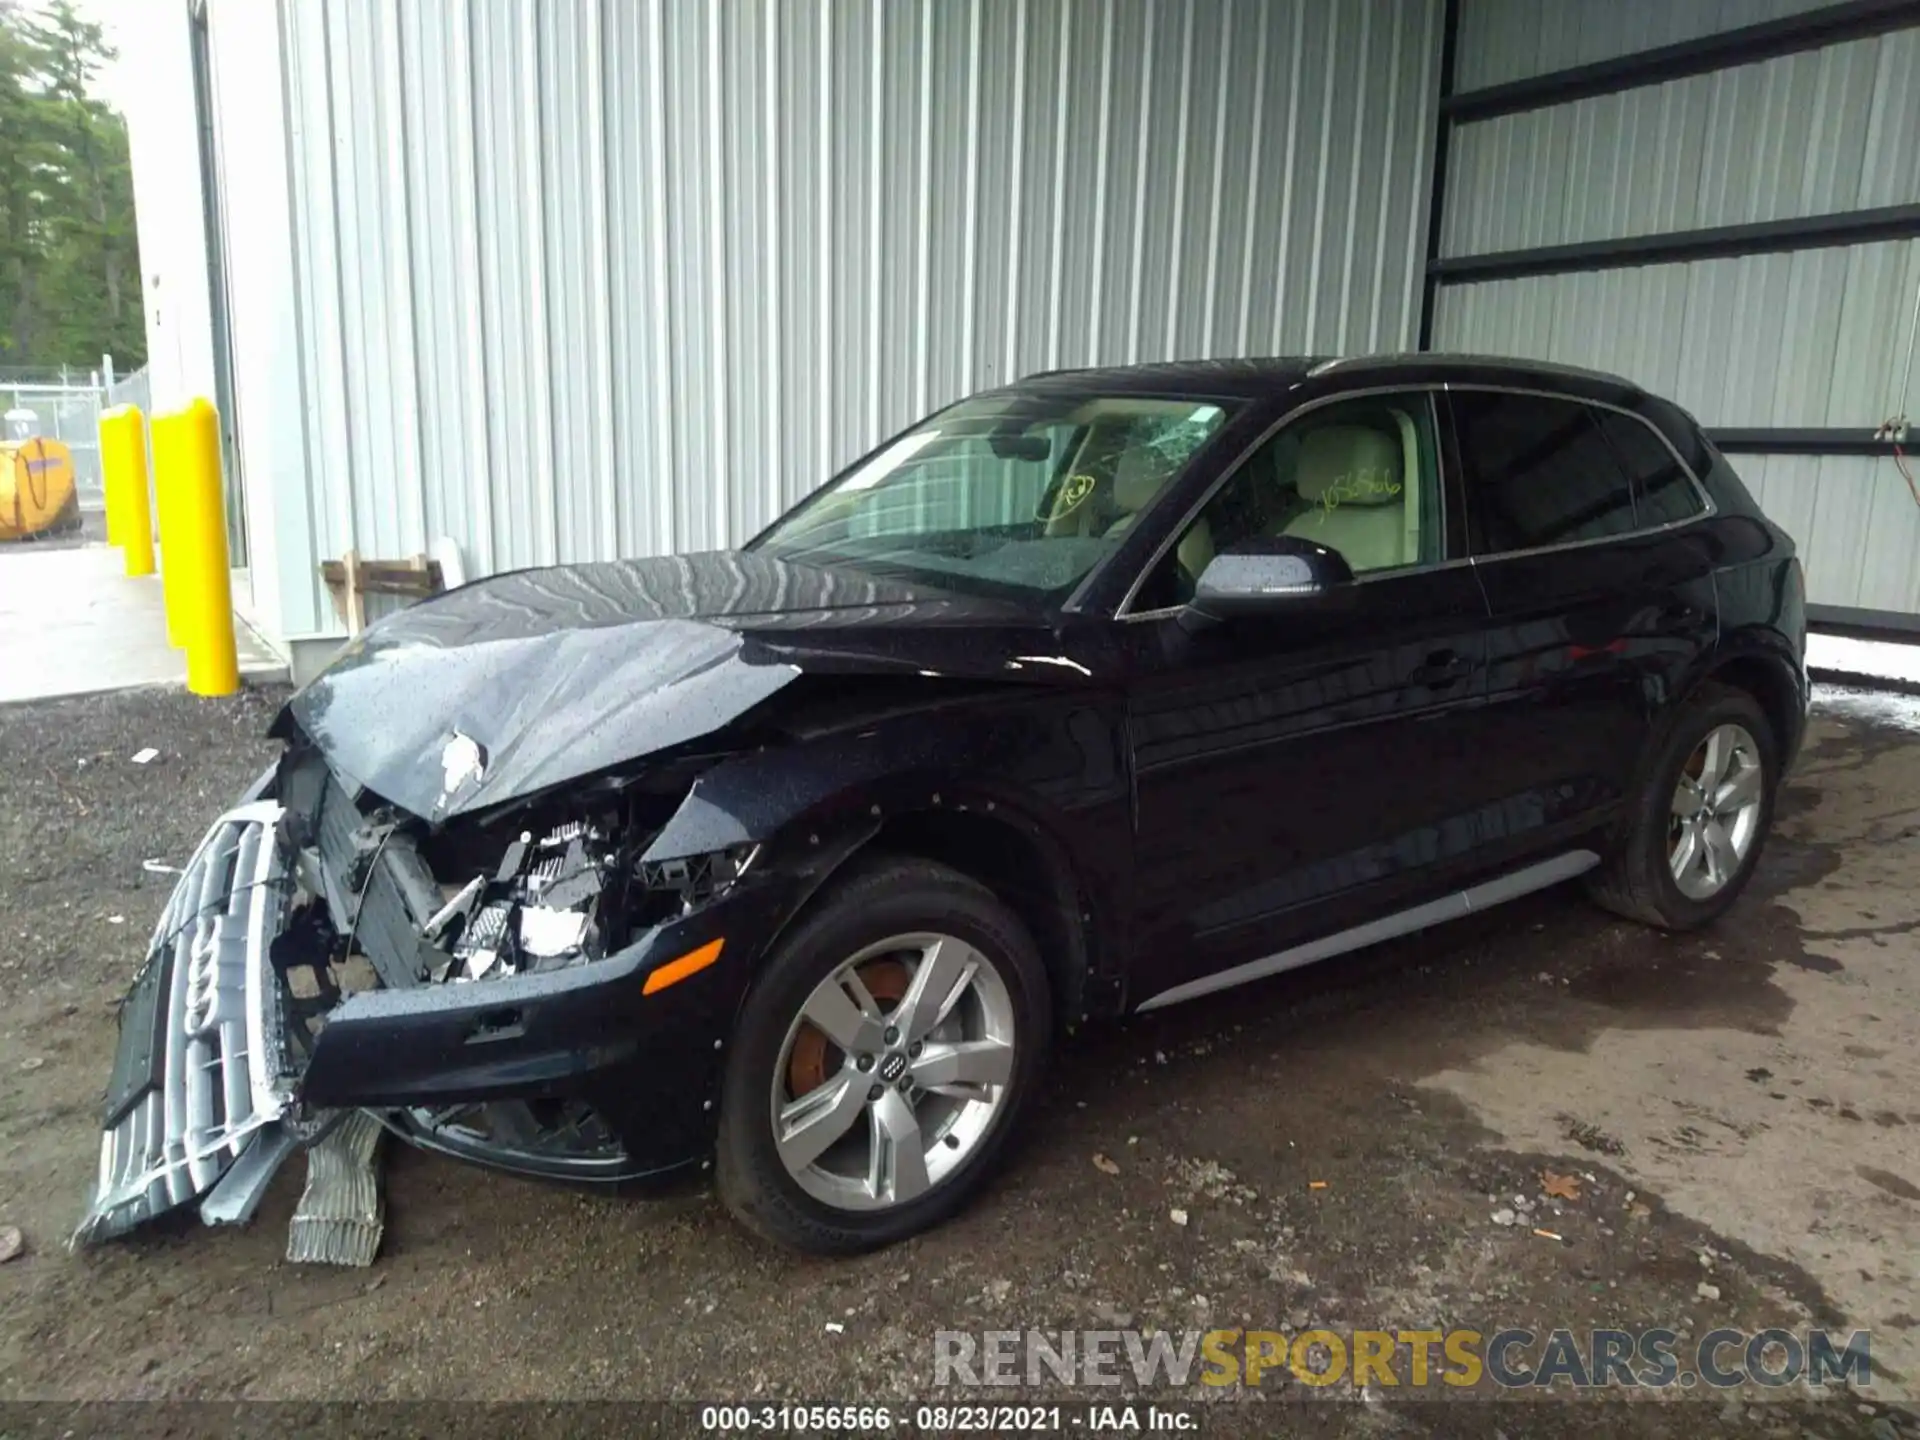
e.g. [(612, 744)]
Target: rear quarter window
[(1664, 493)]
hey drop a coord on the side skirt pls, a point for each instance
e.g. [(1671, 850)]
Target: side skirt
[(1452, 907)]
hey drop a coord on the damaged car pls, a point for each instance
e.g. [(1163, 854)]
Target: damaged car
[(786, 866)]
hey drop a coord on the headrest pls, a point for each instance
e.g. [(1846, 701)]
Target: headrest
[(1140, 475), (1349, 465)]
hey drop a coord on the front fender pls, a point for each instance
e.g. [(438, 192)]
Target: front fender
[(1030, 767), (1053, 769)]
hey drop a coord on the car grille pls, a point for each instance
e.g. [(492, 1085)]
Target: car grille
[(202, 1062)]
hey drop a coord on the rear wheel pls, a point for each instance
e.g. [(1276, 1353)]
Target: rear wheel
[(881, 1061), (1699, 817)]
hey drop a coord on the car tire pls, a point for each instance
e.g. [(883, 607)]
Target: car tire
[(821, 1206), (1642, 878)]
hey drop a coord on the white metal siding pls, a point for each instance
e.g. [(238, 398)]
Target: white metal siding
[(1503, 40), (1811, 339), (580, 280), (1857, 526), (1810, 134)]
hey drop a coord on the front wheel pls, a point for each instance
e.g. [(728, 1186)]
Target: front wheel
[(1699, 817), (881, 1061)]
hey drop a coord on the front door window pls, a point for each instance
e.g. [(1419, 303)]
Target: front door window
[(1360, 477)]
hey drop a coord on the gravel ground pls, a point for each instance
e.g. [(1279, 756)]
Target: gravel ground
[(1340, 1144)]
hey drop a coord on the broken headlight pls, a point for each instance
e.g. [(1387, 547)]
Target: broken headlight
[(672, 888), (565, 894), (540, 910)]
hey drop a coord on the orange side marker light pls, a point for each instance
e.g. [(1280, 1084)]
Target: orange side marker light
[(691, 963)]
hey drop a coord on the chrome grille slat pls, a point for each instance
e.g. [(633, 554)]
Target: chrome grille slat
[(221, 1080), (173, 1084)]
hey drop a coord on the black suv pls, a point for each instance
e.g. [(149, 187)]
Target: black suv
[(1099, 692)]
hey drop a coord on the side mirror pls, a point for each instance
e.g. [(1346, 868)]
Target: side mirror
[(1268, 576)]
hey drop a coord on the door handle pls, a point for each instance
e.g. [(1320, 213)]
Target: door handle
[(1442, 668)]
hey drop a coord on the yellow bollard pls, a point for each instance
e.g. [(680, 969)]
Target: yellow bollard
[(173, 538), (200, 513), (123, 467)]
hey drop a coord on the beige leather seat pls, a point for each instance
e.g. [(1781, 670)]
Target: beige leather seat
[(1139, 477), (1353, 477)]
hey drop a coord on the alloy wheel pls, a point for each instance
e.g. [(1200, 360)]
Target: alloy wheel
[(1716, 811), (893, 1072)]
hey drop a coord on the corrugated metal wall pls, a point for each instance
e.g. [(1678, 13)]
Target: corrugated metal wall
[(581, 280), (1815, 339), (1857, 526), (1502, 40), (1811, 134)]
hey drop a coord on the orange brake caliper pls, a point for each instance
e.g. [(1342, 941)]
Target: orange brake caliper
[(814, 1055)]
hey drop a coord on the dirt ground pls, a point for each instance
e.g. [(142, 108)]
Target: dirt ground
[(1739, 1107)]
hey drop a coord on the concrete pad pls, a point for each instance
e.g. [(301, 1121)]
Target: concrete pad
[(1793, 1130), (71, 623)]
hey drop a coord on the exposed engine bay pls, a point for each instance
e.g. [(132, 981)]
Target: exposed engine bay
[(532, 892), (540, 910), (556, 899), (291, 908), (526, 894)]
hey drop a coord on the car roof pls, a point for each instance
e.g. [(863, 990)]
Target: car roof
[(1265, 378), (1250, 378)]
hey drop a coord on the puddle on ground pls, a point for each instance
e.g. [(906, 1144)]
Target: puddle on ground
[(1689, 987)]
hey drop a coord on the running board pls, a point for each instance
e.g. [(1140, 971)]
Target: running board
[(1453, 907)]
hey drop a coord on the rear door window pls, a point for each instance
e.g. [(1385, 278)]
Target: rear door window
[(1538, 471), (1664, 494)]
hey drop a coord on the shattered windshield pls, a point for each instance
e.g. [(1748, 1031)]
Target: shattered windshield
[(1020, 494)]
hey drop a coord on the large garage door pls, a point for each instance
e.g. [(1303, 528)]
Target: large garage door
[(1721, 201)]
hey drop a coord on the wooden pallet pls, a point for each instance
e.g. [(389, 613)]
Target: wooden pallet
[(351, 579)]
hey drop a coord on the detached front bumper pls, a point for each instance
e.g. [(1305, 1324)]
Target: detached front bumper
[(199, 1097)]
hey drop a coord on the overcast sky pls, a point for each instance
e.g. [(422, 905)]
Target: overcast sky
[(118, 80)]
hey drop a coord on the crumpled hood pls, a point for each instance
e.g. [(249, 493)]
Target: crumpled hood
[(558, 673)]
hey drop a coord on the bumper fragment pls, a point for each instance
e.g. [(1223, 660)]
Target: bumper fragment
[(340, 1219)]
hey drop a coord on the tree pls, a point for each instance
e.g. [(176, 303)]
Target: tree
[(69, 266)]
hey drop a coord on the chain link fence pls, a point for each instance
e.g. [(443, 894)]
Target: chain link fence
[(65, 408), (132, 390)]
